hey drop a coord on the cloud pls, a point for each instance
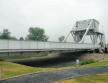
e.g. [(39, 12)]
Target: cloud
[(57, 17)]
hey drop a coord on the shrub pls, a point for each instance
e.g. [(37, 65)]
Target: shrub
[(88, 62)]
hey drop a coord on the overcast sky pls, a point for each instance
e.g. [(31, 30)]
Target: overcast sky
[(56, 16)]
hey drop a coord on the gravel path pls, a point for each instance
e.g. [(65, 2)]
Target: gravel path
[(53, 76)]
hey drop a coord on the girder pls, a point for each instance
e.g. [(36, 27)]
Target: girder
[(15, 45)]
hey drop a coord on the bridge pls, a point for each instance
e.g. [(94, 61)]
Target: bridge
[(82, 29)]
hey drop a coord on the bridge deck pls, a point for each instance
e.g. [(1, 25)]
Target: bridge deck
[(14, 45)]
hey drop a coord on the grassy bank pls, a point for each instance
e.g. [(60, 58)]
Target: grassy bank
[(100, 63), (24, 56), (98, 78), (12, 69)]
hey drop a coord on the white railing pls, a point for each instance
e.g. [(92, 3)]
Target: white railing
[(32, 45)]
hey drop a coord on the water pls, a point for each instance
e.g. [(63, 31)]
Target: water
[(51, 61), (63, 64)]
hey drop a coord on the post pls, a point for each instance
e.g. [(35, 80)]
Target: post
[(78, 62)]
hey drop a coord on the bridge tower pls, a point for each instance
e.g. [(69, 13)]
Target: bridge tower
[(89, 28)]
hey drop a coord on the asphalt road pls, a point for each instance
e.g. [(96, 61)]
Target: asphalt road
[(53, 76)]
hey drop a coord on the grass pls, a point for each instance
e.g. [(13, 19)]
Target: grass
[(88, 62), (24, 56), (12, 69), (100, 63), (94, 78)]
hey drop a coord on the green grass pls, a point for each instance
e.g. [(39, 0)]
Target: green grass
[(94, 78), (101, 63), (12, 69), (98, 78), (24, 56), (88, 62)]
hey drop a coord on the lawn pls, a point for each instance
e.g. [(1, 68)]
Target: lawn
[(100, 63), (12, 69), (95, 78), (24, 56), (98, 78)]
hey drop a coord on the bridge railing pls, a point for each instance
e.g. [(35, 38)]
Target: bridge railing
[(38, 45)]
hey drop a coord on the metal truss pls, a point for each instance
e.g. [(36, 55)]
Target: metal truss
[(85, 28)]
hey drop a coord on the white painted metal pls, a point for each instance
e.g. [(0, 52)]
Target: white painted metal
[(84, 28), (36, 45), (87, 29), (83, 25)]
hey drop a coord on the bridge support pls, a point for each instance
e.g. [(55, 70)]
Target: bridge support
[(85, 28)]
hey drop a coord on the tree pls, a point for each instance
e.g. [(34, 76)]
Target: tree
[(36, 33), (21, 38), (6, 35), (61, 38), (13, 38)]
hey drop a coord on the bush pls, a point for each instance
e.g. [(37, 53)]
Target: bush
[(88, 62)]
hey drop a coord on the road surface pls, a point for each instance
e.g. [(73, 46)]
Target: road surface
[(53, 76)]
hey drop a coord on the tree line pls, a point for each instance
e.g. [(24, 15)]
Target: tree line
[(34, 33)]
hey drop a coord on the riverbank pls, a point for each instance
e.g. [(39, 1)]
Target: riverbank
[(12, 69), (25, 56), (56, 75), (63, 60)]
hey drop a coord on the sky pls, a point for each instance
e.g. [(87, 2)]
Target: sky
[(56, 17)]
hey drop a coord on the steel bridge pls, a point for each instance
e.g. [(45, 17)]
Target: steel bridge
[(79, 32)]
